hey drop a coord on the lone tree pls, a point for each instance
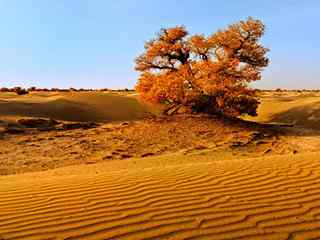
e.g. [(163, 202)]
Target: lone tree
[(208, 74)]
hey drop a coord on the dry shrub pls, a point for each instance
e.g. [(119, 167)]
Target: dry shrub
[(4, 89), (20, 91)]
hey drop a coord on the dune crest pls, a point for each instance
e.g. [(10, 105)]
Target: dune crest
[(79, 106), (299, 109)]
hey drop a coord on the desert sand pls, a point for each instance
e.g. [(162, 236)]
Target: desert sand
[(71, 106), (139, 177)]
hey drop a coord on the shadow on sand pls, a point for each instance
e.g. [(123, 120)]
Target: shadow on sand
[(304, 117)]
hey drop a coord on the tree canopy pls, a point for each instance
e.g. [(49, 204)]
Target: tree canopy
[(207, 73)]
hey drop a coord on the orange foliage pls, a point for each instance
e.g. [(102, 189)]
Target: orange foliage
[(206, 73)]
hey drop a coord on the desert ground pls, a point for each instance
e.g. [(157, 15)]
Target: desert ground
[(100, 165)]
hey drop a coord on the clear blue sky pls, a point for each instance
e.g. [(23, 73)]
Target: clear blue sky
[(93, 43)]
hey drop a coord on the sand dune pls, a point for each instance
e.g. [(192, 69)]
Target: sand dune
[(300, 109), (206, 179), (264, 198), (78, 106)]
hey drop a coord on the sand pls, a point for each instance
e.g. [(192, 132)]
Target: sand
[(300, 109), (263, 198), (263, 189), (72, 106)]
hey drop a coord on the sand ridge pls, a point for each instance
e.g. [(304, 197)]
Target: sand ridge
[(301, 109), (72, 106), (262, 198)]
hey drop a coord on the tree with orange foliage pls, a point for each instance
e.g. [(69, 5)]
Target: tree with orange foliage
[(208, 74)]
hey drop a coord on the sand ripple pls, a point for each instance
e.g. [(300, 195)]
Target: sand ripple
[(265, 198)]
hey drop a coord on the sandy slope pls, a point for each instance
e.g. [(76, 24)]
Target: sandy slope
[(300, 109), (71, 106), (264, 198)]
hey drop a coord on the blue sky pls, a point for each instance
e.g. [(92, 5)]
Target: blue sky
[(93, 43)]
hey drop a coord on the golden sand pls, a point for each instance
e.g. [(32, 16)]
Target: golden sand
[(263, 198), (264, 189)]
